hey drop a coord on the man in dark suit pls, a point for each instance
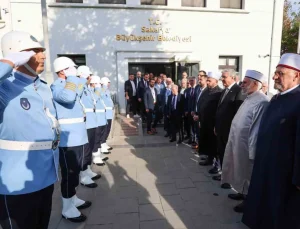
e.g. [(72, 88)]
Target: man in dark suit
[(229, 103), (143, 84), (151, 106), (206, 113), (189, 104), (137, 80), (199, 89), (166, 92), (130, 95), (176, 112)]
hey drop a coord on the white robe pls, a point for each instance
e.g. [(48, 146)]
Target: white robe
[(240, 149)]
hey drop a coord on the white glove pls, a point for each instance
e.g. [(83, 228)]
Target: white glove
[(71, 71), (19, 58)]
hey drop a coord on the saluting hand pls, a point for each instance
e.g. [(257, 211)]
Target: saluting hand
[(18, 59)]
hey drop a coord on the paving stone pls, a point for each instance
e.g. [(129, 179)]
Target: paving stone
[(156, 224), (184, 183), (126, 206), (108, 226), (189, 193), (149, 197), (127, 192), (179, 220), (172, 202), (151, 212), (130, 220), (199, 177), (167, 189)]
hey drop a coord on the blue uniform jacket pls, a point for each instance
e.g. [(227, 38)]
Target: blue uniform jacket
[(100, 108), (109, 104), (69, 112), (89, 102), (27, 116)]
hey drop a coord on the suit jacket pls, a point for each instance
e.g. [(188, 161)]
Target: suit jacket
[(207, 109), (129, 89), (189, 100), (179, 111), (227, 109), (141, 89), (136, 81), (197, 103), (163, 97), (148, 99)]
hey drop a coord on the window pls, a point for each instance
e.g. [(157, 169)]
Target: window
[(193, 3), (229, 62), (154, 2), (112, 1), (69, 1), (79, 59), (233, 4)]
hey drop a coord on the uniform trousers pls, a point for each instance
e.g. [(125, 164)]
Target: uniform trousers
[(89, 148), (26, 211), (107, 129), (71, 162), (100, 137)]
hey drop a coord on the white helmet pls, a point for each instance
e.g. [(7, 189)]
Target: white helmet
[(84, 71), (62, 63), (105, 81), (95, 79), (17, 41)]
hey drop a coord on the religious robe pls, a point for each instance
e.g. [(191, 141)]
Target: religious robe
[(240, 148), (273, 200)]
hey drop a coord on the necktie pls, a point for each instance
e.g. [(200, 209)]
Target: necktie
[(225, 93), (173, 102), (192, 92)]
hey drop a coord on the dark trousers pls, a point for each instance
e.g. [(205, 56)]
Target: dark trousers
[(208, 143), (71, 161), (167, 126), (89, 148), (107, 129), (27, 211), (150, 119), (197, 130), (131, 105), (142, 110), (191, 127), (221, 141), (186, 126), (176, 125), (100, 137)]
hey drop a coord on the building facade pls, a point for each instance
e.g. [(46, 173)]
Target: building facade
[(118, 37)]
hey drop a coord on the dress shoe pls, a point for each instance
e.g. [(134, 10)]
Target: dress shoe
[(150, 132), (92, 185), (217, 178), (86, 204), (195, 146), (240, 207), (179, 141), (206, 162), (153, 130), (186, 138), (109, 148), (214, 170), (107, 152), (203, 158), (166, 135), (78, 219), (172, 140), (226, 186), (99, 164), (189, 142), (98, 176), (236, 196)]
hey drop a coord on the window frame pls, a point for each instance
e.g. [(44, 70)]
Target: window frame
[(204, 5), (227, 66), (69, 1), (143, 4), (241, 2), (125, 2)]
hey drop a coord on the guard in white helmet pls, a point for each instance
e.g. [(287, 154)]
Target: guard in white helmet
[(73, 136), (88, 100), (109, 108), (29, 135), (101, 121)]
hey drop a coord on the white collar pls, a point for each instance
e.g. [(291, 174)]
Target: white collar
[(32, 78), (231, 86), (289, 90)]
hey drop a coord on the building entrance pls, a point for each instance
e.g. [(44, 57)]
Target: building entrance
[(173, 70)]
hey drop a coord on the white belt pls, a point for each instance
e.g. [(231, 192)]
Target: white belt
[(100, 110), (89, 110), (16, 145), (70, 120), (108, 108)]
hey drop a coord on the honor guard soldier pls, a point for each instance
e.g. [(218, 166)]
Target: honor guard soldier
[(89, 103), (73, 136), (101, 121), (29, 135), (109, 107)]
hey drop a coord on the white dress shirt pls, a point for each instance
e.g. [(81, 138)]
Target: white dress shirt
[(133, 88), (153, 94)]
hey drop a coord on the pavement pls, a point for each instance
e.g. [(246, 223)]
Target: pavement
[(149, 183)]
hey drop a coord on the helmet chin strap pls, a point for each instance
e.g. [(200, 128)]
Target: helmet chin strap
[(30, 69)]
